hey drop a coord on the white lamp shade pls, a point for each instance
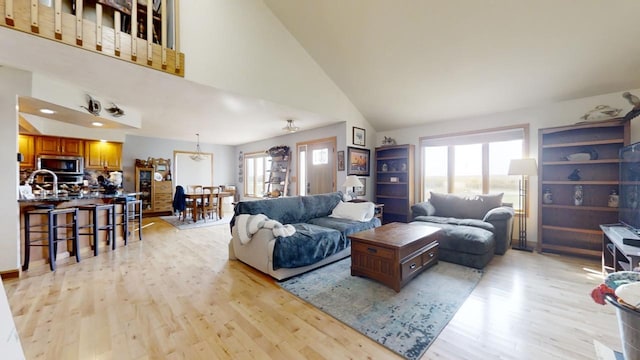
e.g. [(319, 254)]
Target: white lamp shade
[(352, 181), (523, 167)]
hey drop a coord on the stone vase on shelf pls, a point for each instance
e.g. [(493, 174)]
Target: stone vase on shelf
[(578, 195)]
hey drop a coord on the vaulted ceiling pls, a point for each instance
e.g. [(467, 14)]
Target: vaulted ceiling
[(408, 62), (400, 62)]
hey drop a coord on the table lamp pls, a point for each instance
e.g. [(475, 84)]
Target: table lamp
[(352, 182)]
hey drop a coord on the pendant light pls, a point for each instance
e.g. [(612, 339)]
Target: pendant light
[(198, 154)]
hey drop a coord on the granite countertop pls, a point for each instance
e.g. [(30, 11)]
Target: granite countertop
[(92, 195)]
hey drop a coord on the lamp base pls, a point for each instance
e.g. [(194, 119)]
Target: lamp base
[(522, 247)]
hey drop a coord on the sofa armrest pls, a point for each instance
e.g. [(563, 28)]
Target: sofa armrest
[(499, 213), (502, 220), (257, 253), (422, 209)]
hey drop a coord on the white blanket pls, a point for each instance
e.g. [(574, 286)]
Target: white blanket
[(248, 225)]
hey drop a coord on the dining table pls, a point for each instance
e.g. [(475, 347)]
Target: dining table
[(192, 197)]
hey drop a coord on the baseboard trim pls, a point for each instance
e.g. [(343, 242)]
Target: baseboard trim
[(10, 274)]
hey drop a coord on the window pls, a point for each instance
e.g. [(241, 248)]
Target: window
[(255, 175), (473, 163), (437, 178), (467, 171), (302, 158), (498, 169), (320, 156)]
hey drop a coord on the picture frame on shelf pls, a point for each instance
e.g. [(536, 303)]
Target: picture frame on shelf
[(362, 190), (359, 161), (359, 136), (341, 160)]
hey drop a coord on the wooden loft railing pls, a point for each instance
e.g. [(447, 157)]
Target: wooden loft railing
[(144, 44)]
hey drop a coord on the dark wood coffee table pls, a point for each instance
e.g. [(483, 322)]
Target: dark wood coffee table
[(394, 253)]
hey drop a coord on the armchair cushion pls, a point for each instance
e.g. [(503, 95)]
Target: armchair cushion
[(455, 221), (473, 207)]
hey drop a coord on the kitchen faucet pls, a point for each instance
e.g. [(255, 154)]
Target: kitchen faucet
[(55, 179)]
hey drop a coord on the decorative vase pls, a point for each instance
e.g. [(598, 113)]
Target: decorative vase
[(547, 197), (613, 199), (385, 167), (578, 195)]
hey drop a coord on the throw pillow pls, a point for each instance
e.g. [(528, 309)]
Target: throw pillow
[(423, 209), (491, 201), (362, 211)]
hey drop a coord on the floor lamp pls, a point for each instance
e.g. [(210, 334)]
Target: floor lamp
[(524, 168)]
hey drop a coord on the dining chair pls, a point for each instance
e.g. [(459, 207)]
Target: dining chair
[(210, 202), (193, 189), (180, 203)]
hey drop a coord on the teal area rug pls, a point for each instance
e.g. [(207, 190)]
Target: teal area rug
[(406, 322), (189, 224)]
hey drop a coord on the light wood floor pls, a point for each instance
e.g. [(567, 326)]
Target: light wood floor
[(176, 296)]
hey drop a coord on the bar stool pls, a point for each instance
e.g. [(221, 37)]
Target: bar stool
[(93, 227), (50, 228), (134, 215), (131, 211)]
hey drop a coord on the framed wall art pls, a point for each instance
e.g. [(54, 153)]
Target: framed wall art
[(358, 161), (341, 160), (359, 136)]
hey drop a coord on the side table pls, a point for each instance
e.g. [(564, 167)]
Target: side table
[(379, 211), (616, 256)]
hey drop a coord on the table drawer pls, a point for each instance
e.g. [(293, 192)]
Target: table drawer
[(373, 250), (430, 256), (411, 266)]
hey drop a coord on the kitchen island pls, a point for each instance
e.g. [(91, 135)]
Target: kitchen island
[(68, 201)]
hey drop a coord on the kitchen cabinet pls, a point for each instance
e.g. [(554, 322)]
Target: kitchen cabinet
[(570, 222), (27, 146), (59, 146), (101, 154), (394, 181)]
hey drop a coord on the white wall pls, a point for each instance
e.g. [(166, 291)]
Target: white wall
[(139, 147), (248, 51), (73, 97), (548, 115), (338, 130), (13, 82)]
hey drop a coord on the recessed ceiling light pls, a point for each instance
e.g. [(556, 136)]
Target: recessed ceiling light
[(97, 123), (47, 111)]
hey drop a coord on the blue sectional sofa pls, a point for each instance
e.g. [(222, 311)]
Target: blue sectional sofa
[(474, 228), (319, 239)]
